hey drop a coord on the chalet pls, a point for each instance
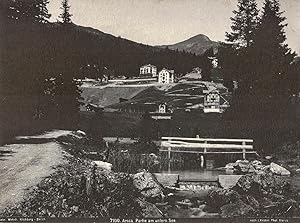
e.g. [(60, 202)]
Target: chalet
[(166, 76), (148, 70), (162, 108), (163, 112), (214, 61), (214, 102)]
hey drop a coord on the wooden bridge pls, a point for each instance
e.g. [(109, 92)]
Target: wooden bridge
[(206, 146)]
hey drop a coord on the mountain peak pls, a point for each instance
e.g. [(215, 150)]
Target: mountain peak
[(197, 44), (198, 38)]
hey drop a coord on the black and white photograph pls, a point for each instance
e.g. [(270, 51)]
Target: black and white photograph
[(150, 111)]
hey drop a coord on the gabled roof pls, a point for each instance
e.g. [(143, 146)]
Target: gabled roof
[(213, 91), (148, 65), (170, 71), (224, 100)]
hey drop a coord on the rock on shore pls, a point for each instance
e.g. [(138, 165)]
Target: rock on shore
[(147, 185), (263, 195), (256, 166)]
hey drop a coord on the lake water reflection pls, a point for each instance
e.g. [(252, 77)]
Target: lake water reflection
[(199, 174)]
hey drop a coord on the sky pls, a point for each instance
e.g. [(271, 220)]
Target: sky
[(161, 22)]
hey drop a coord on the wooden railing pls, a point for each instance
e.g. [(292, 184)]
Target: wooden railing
[(206, 145)]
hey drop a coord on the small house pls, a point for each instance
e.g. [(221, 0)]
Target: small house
[(163, 112), (166, 76), (162, 108), (214, 102), (148, 70), (214, 61)]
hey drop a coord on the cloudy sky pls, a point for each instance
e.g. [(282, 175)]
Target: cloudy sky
[(157, 22)]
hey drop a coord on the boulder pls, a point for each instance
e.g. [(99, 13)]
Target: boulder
[(279, 170), (147, 185), (227, 181), (102, 165), (220, 197), (257, 165), (260, 184), (167, 179), (246, 184), (236, 209), (256, 162), (244, 166), (266, 168)]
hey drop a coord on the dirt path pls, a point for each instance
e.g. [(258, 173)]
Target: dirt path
[(48, 135), (23, 166)]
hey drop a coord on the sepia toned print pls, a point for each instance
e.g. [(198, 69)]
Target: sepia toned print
[(150, 111)]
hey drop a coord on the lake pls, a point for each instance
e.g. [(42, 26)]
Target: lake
[(198, 174)]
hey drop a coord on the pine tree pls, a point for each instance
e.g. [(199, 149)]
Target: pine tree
[(148, 132), (98, 127), (67, 98), (228, 64), (27, 10), (65, 15), (234, 56), (147, 128), (294, 76), (262, 101), (206, 68), (271, 52), (244, 24)]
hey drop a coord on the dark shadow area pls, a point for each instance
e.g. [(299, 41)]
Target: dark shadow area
[(5, 154)]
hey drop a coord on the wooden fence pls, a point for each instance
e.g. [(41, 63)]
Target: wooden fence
[(206, 146)]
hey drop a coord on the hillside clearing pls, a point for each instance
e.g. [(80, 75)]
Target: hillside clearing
[(109, 95)]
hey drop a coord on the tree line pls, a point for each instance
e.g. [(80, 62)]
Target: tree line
[(257, 56), (40, 61), (37, 86)]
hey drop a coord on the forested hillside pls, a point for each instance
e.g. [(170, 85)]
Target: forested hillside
[(39, 61)]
